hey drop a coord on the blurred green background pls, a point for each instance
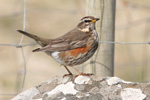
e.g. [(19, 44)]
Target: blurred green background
[(52, 18)]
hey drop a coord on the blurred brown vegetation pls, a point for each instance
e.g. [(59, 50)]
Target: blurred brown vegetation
[(52, 18)]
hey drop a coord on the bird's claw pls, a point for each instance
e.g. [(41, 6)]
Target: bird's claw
[(84, 74), (67, 75)]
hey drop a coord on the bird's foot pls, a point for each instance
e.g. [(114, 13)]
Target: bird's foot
[(70, 74), (84, 74)]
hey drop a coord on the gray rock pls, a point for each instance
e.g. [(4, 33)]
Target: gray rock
[(87, 88)]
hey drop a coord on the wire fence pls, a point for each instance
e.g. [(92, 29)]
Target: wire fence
[(120, 27), (22, 51)]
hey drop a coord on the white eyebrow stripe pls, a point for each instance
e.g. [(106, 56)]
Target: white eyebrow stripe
[(85, 19)]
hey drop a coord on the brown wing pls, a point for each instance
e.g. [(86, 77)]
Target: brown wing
[(71, 40)]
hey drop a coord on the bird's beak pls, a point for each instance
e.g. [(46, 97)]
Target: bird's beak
[(96, 19)]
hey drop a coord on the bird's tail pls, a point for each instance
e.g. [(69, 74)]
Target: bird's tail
[(29, 35), (39, 40)]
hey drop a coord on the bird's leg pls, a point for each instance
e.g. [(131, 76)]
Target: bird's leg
[(80, 73), (68, 72), (76, 70)]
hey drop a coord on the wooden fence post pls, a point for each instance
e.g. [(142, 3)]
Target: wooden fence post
[(104, 65)]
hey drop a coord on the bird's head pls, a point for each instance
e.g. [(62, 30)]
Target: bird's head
[(87, 23)]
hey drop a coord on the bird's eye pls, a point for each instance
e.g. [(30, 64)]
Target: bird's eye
[(87, 21)]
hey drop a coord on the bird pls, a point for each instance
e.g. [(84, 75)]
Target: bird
[(74, 47)]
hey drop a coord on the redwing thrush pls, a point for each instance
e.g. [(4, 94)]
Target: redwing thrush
[(72, 48)]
